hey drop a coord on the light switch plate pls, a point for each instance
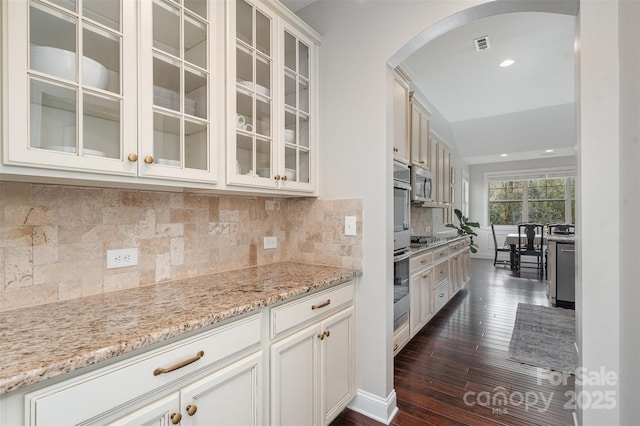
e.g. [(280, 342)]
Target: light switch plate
[(349, 225), (270, 242)]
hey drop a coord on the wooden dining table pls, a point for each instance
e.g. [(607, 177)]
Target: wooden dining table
[(512, 241)]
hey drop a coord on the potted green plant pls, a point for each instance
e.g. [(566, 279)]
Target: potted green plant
[(465, 228)]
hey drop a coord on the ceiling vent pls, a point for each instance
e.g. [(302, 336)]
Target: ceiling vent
[(482, 43)]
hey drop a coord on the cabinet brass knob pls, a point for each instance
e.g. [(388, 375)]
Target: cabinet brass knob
[(148, 159), (321, 336), (277, 177), (175, 418), (395, 347), (284, 177), (191, 409), (133, 157), (327, 333)]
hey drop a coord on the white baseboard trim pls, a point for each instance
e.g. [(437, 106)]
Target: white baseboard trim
[(372, 406)]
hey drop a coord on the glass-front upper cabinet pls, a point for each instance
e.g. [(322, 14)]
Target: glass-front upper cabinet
[(70, 105), (179, 85), (270, 110)]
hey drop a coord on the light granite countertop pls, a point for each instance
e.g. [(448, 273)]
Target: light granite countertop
[(562, 238), (42, 342)]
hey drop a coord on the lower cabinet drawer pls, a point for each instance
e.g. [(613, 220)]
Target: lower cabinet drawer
[(401, 338), (440, 272), (298, 312), (92, 394), (440, 295)]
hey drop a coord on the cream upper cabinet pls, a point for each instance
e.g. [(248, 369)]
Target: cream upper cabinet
[(181, 85), (272, 92), (71, 85), (420, 142), (142, 101), (401, 119)]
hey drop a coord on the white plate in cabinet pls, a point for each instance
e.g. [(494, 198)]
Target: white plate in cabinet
[(140, 375), (318, 305), (441, 295)]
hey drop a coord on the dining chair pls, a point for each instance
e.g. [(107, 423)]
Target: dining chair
[(530, 246), (501, 249)]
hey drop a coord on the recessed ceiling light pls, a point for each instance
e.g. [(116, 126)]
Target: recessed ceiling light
[(548, 150), (507, 63), (504, 155)]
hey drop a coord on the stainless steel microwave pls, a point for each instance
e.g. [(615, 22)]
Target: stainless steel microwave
[(421, 185)]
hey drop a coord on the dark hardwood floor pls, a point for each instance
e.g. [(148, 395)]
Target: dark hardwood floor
[(456, 371)]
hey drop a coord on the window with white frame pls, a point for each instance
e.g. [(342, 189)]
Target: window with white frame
[(547, 197)]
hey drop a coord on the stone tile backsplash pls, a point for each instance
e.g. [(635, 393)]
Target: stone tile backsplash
[(53, 238)]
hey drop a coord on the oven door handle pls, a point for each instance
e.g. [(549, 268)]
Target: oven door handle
[(401, 257)]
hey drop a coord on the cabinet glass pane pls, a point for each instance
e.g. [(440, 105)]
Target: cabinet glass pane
[(101, 126), (106, 12), (101, 63), (263, 158), (303, 169), (290, 127), (67, 4), (198, 7), (52, 42), (166, 83), (244, 68), (166, 140), (263, 34), (290, 163), (263, 117), (195, 146), (263, 76), (195, 86), (303, 132), (304, 96), (166, 27), (195, 42), (244, 22), (289, 51), (52, 117), (244, 105), (244, 155), (290, 90), (303, 59)]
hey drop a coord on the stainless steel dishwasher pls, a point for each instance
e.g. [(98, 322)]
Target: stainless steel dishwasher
[(566, 274)]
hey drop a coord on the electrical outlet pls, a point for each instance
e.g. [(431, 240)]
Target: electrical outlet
[(349, 225), (122, 258), (270, 242)]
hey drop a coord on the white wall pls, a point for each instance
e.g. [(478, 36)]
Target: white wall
[(359, 39), (629, 208), (598, 221), (356, 159)]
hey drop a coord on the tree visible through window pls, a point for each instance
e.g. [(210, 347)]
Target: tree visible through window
[(544, 200)]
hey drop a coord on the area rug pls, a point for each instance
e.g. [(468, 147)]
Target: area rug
[(544, 337)]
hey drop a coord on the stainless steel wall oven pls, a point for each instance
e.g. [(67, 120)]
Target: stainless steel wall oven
[(401, 242)]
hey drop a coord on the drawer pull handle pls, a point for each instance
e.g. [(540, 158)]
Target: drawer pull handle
[(441, 295), (322, 305), (181, 364), (191, 409), (395, 347), (423, 261), (175, 418)]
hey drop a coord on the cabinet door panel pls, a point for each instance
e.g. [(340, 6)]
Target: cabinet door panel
[(338, 363), (294, 379), (231, 396), (155, 414)]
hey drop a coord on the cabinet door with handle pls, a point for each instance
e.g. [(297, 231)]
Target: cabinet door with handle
[(181, 82), (71, 101), (231, 396), (163, 412)]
